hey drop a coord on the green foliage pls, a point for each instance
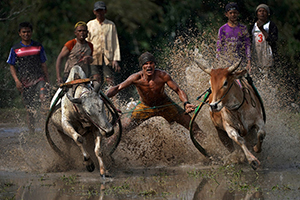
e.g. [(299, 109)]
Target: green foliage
[(149, 25), (120, 189), (69, 180)]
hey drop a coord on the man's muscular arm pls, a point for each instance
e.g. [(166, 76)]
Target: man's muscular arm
[(115, 89), (182, 95)]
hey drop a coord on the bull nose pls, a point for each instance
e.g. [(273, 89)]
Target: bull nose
[(216, 107), (213, 106)]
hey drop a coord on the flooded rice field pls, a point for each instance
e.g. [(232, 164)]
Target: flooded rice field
[(156, 160)]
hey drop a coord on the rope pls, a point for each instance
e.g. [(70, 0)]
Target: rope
[(250, 81), (197, 145), (49, 139), (207, 92)]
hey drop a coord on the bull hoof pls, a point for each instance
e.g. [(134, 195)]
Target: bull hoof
[(106, 175), (254, 164), (103, 176), (261, 138), (90, 167)]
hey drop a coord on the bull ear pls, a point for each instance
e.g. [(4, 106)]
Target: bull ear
[(240, 74), (235, 66), (74, 100), (199, 63)]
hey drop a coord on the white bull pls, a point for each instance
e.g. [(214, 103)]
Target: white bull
[(82, 111), (235, 109)]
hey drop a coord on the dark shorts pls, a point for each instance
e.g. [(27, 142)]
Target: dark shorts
[(103, 70), (31, 95)]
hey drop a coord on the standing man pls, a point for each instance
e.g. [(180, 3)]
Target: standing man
[(103, 35), (233, 39), (78, 52), (264, 38), (29, 70), (150, 83)]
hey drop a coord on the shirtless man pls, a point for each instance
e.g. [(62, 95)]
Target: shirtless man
[(150, 84)]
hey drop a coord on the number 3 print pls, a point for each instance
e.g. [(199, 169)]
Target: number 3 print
[(260, 37)]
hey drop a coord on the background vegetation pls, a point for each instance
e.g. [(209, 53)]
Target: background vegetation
[(153, 25)]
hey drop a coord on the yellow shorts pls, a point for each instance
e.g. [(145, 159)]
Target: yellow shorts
[(168, 110)]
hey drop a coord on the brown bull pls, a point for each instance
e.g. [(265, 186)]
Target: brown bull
[(235, 109)]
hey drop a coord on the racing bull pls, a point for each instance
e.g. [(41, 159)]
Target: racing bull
[(235, 109), (79, 111)]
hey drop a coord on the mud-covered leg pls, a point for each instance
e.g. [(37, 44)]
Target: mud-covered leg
[(261, 134), (226, 141), (99, 154), (79, 140), (233, 134)]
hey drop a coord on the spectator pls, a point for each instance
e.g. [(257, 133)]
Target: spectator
[(27, 60), (78, 52), (103, 35), (264, 35), (233, 39)]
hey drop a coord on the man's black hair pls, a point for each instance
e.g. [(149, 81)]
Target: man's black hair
[(25, 25)]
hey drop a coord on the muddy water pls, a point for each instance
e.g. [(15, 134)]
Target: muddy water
[(163, 183), (157, 160)]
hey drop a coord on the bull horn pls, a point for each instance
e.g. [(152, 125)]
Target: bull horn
[(235, 66), (74, 100), (197, 61)]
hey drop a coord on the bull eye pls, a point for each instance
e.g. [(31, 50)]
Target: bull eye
[(225, 83)]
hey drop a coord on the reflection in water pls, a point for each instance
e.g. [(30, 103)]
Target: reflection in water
[(218, 189), (177, 183)]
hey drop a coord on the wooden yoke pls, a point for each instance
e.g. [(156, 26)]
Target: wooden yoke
[(74, 82)]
